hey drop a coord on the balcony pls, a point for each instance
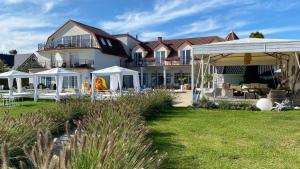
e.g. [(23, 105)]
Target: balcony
[(81, 63), (154, 63), (69, 42)]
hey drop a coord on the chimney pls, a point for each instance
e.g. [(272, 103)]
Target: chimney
[(137, 36), (159, 39)]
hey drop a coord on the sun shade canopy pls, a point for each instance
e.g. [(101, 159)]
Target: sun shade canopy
[(15, 74), (248, 45), (115, 70), (57, 72)]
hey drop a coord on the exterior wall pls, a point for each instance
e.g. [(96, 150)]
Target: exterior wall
[(71, 30), (128, 43), (185, 46), (100, 60), (138, 50), (161, 48), (103, 60)]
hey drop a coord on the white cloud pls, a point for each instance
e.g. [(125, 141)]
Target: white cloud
[(147, 36), (163, 11), (23, 29), (199, 27)]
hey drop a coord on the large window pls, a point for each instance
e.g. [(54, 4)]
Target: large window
[(186, 75), (74, 58), (160, 57), (67, 40), (145, 79), (70, 82), (137, 58), (56, 42), (185, 56), (86, 41), (157, 79), (103, 41)]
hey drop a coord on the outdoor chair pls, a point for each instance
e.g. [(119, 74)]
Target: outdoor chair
[(277, 95)]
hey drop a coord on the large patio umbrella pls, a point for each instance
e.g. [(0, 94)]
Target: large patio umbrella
[(14, 74), (58, 73), (116, 74)]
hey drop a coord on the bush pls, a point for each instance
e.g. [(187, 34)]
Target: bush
[(207, 104), (110, 134), (225, 105)]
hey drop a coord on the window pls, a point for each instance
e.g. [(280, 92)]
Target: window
[(74, 41), (108, 42), (67, 40), (102, 41), (56, 42), (186, 75), (145, 80), (137, 58), (185, 56), (85, 41), (74, 58), (157, 79), (70, 82), (160, 57)]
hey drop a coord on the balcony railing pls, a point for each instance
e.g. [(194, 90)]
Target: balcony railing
[(81, 63), (154, 63), (72, 42)]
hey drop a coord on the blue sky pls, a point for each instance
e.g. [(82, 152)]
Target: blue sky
[(25, 23)]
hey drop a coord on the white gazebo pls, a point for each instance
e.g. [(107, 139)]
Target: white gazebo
[(116, 74), (58, 74), (248, 51), (10, 76)]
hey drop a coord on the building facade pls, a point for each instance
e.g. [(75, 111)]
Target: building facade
[(82, 48), (164, 63)]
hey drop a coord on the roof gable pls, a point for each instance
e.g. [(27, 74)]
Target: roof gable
[(116, 49), (174, 44)]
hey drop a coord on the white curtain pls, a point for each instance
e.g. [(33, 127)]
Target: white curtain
[(114, 81), (10, 86), (57, 88), (79, 83), (19, 84), (60, 83), (136, 82), (120, 79), (93, 87), (35, 85)]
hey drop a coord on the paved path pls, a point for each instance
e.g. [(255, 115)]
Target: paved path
[(183, 99)]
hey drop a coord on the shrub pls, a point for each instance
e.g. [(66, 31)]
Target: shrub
[(111, 134), (225, 105)]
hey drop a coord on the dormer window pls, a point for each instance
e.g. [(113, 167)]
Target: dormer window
[(137, 58), (160, 57), (108, 42), (185, 57), (103, 41)]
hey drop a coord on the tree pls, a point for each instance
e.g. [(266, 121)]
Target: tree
[(3, 67), (13, 52), (256, 35)]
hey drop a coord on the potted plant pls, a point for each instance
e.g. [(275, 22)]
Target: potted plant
[(182, 79)]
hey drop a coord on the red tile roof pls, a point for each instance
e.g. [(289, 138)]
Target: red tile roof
[(174, 44), (231, 36), (116, 48)]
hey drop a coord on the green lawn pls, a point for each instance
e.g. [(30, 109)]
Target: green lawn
[(27, 106), (197, 138)]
